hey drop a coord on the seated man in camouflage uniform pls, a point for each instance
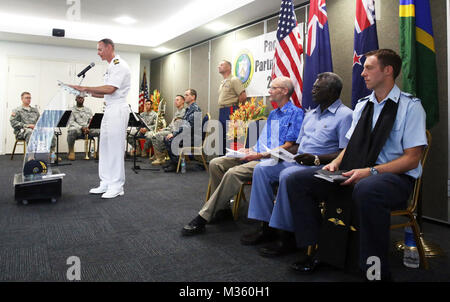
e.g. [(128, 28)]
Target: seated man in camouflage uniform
[(78, 125), (158, 138), (150, 118), (24, 118)]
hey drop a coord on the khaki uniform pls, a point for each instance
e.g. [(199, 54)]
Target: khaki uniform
[(158, 138), (22, 116), (226, 176), (229, 91), (150, 119), (79, 118)]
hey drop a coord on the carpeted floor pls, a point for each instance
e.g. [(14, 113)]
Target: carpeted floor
[(136, 237)]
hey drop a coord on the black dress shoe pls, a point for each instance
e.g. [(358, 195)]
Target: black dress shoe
[(306, 267), (196, 226), (222, 215), (170, 168), (167, 164), (263, 234), (278, 248)]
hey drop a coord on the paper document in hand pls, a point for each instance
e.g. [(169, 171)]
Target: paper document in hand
[(69, 89), (281, 153), (234, 153), (335, 176)]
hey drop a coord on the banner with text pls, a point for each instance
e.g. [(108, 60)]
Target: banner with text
[(253, 62)]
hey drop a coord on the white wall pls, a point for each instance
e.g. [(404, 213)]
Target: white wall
[(67, 54)]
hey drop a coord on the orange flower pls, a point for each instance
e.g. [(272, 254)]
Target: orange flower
[(246, 112)]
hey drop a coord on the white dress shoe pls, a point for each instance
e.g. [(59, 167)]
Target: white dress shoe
[(98, 190), (112, 193)]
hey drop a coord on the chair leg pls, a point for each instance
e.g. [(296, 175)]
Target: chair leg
[(237, 200), (311, 249), (243, 196), (420, 247), (204, 162), (179, 161), (14, 150)]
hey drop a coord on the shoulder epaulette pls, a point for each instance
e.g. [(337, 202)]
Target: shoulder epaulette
[(364, 99), (409, 95)]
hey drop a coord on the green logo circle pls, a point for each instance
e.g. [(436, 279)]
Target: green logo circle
[(244, 67)]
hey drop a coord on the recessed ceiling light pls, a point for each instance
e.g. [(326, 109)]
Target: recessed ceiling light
[(217, 26), (125, 20), (161, 49)]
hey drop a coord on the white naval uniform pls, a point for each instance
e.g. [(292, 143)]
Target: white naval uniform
[(111, 168)]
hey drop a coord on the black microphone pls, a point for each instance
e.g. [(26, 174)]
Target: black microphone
[(86, 69)]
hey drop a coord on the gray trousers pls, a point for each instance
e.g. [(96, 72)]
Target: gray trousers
[(74, 134), (226, 175)]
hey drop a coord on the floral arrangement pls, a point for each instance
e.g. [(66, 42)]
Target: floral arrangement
[(239, 119), (156, 99)]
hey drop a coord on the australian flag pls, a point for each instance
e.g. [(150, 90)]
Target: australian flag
[(318, 50), (365, 41)]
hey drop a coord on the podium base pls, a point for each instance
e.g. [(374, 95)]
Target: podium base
[(38, 187)]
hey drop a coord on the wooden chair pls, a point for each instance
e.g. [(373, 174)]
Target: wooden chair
[(193, 149), (410, 211), (19, 141), (88, 141)]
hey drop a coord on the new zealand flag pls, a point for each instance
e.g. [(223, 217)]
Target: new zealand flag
[(365, 41), (318, 50)]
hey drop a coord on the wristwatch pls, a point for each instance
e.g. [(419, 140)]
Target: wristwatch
[(316, 160), (373, 171)]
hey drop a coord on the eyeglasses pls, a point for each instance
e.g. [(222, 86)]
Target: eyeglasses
[(274, 87)]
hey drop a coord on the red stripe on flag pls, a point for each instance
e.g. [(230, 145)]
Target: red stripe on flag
[(288, 56)]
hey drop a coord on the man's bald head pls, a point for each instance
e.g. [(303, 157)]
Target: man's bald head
[(285, 82)]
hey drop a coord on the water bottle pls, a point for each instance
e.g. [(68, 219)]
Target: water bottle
[(410, 253), (52, 158), (183, 165), (92, 151)]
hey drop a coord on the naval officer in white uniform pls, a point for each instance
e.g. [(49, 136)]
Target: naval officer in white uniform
[(111, 168)]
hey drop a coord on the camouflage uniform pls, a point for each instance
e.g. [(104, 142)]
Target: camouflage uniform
[(158, 138), (22, 116), (79, 118), (150, 119)]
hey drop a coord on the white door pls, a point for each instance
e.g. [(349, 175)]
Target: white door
[(23, 75)]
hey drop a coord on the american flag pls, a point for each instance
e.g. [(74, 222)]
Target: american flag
[(365, 40), (143, 93), (287, 60)]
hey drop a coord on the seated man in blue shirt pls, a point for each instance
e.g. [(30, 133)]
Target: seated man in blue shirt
[(321, 138), (227, 174), (382, 157)]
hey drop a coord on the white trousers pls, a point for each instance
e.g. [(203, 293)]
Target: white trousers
[(111, 166)]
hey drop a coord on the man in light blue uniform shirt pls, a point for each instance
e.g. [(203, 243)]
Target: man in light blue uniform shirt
[(387, 138), (321, 138), (227, 174)]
